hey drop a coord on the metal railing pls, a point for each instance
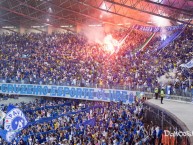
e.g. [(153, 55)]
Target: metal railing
[(167, 121)]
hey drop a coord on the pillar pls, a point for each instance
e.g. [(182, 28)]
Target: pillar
[(107, 28), (22, 29), (78, 28), (49, 29)]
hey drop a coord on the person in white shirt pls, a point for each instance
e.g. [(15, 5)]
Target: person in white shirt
[(30, 141), (115, 142)]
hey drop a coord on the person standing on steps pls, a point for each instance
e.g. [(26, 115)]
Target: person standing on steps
[(162, 95), (156, 90)]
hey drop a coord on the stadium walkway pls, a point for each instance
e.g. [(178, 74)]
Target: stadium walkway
[(182, 110)]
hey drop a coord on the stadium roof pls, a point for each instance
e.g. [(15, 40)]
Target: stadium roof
[(91, 12)]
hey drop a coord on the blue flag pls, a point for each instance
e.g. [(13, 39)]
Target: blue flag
[(15, 119)]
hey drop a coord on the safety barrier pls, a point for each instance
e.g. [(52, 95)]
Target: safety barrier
[(167, 121)]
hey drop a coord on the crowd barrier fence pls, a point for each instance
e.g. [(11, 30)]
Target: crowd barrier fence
[(167, 121)]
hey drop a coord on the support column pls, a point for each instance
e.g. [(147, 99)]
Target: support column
[(22, 29), (49, 29), (78, 28), (107, 28)]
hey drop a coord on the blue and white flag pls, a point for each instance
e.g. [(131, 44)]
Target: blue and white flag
[(188, 65), (157, 29), (15, 119), (14, 122)]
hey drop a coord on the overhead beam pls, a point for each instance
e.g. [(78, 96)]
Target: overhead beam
[(50, 14), (44, 12), (147, 12), (34, 12), (98, 8), (79, 13), (9, 12), (30, 17), (54, 15), (18, 25), (186, 12)]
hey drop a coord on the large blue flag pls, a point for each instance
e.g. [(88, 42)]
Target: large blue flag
[(14, 122), (15, 119)]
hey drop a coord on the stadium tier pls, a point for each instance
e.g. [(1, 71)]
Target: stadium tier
[(69, 59), (96, 72)]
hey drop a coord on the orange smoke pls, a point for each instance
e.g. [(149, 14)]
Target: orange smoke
[(110, 43)]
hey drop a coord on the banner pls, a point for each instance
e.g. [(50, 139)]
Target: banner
[(188, 65), (95, 94), (157, 29)]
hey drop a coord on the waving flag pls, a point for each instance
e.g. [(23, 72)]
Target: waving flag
[(15, 119), (14, 122)]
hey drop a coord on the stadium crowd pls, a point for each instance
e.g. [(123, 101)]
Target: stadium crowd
[(112, 124), (68, 59)]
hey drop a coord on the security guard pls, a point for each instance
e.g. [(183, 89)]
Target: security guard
[(162, 95), (156, 90)]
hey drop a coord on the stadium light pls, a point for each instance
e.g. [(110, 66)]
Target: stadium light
[(50, 10), (66, 26), (8, 27), (97, 25)]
